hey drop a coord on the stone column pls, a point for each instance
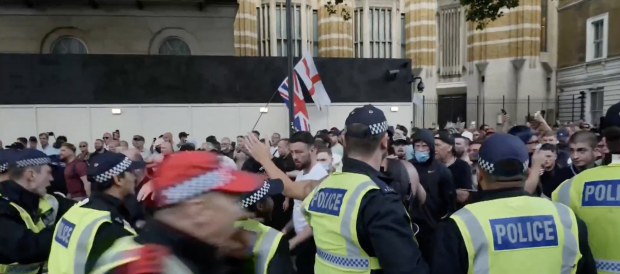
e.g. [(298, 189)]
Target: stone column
[(421, 32), (246, 36), (335, 34)]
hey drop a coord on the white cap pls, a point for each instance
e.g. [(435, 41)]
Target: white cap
[(468, 135)]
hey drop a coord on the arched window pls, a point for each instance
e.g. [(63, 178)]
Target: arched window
[(174, 46), (68, 45)]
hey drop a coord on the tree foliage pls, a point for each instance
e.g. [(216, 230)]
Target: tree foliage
[(481, 12)]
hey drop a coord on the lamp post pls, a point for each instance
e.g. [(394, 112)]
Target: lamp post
[(291, 75)]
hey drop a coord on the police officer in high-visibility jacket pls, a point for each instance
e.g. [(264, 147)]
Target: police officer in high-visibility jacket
[(505, 230), (27, 213), (197, 204), (359, 223), (594, 196), (271, 249), (91, 227)]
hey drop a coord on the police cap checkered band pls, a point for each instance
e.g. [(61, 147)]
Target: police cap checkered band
[(369, 116), (29, 162), (116, 170), (491, 168), (4, 167), (256, 195), (503, 155), (196, 186)]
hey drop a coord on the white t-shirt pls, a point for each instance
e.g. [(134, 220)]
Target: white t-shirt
[(316, 173)]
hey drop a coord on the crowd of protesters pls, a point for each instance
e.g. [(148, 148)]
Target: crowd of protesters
[(434, 172)]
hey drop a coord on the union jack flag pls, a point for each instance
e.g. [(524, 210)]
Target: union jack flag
[(302, 123)]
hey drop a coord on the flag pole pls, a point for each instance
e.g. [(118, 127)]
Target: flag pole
[(289, 56), (266, 106)]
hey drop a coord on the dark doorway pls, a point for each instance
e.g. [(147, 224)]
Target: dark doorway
[(451, 108)]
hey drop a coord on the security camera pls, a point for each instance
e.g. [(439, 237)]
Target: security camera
[(391, 74), (420, 86)]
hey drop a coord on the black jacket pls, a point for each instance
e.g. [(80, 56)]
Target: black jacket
[(450, 254), (440, 194), (107, 233), (436, 180), (383, 227), (18, 244)]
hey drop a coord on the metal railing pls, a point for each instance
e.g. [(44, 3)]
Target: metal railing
[(436, 111)]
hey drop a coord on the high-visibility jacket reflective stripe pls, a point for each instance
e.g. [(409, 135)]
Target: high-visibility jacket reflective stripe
[(49, 206), (482, 243), (71, 259), (265, 245), (352, 258), (125, 250), (601, 216)]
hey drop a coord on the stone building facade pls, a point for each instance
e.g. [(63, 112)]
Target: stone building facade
[(472, 73), (589, 58), (465, 71), (109, 28)]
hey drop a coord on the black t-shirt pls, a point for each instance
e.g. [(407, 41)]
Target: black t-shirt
[(251, 165), (461, 174), (286, 164), (554, 180)]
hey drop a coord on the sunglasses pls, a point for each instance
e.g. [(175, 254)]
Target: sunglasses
[(137, 139), (105, 138), (82, 146)]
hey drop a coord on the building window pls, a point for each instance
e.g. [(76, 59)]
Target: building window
[(598, 39), (258, 34), (68, 45), (597, 29), (315, 33), (596, 105), (403, 37), (449, 41), (380, 32), (174, 46), (358, 32), (281, 38), (263, 22), (543, 25)]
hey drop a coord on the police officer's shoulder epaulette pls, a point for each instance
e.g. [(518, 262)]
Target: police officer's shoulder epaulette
[(116, 218)]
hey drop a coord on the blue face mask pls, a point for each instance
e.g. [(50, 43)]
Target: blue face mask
[(422, 157)]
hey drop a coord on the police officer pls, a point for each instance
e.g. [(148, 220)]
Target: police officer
[(193, 225), (27, 213), (507, 231), (4, 165), (359, 222), (594, 195), (91, 227), (271, 249)]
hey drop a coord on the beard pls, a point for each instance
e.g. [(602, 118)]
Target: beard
[(459, 154), (303, 165)]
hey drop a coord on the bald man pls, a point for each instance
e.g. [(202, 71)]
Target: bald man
[(107, 137)]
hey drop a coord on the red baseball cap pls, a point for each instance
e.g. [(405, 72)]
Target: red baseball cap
[(490, 130), (185, 175)]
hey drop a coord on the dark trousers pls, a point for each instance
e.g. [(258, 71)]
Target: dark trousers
[(304, 260)]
